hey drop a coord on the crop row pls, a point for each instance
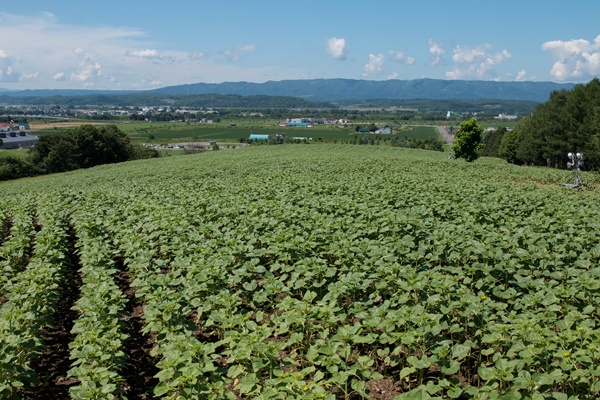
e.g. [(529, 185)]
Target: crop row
[(32, 296), (15, 251), (97, 349)]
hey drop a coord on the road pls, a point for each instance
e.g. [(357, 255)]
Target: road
[(447, 137)]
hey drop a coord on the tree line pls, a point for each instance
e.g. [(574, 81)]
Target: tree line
[(568, 122), (82, 147)]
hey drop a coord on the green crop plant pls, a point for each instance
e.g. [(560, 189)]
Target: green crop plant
[(321, 271)]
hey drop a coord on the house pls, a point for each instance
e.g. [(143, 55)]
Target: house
[(385, 131), (17, 140)]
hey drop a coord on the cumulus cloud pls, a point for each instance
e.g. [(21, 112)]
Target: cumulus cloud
[(8, 73), (336, 48), (5, 65), (476, 62), (89, 69), (437, 51), (522, 76), (234, 55), (574, 59), (375, 64), (400, 57)]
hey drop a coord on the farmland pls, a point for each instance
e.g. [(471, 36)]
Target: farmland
[(301, 271), (174, 133), (167, 132)]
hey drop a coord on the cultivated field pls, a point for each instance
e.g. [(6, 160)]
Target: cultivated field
[(300, 272), (56, 125), (177, 132), (173, 132)]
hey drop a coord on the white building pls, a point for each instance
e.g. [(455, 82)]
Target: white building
[(505, 116)]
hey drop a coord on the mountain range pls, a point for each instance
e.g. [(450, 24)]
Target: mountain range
[(343, 89)]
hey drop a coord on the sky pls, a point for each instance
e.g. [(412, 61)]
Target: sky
[(139, 45)]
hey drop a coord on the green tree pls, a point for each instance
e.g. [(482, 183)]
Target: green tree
[(468, 140), (568, 122), (491, 142), (54, 153), (508, 147), (13, 168), (83, 147)]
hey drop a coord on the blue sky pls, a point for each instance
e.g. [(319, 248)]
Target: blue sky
[(131, 44)]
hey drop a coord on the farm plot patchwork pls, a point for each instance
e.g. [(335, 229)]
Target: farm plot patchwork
[(321, 271)]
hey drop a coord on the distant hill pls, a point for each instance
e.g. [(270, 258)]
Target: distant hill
[(31, 93), (341, 89)]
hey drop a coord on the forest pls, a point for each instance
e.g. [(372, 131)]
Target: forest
[(568, 122)]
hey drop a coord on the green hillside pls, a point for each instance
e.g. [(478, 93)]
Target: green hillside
[(301, 271)]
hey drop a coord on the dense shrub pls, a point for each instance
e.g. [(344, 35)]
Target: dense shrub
[(15, 167)]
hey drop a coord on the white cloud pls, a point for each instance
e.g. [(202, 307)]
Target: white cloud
[(476, 62), (375, 64), (7, 69), (336, 48), (437, 51), (46, 46), (522, 76), (147, 53), (58, 55), (89, 70), (401, 58), (197, 55), (466, 54), (574, 59), (29, 77), (234, 55), (152, 55)]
